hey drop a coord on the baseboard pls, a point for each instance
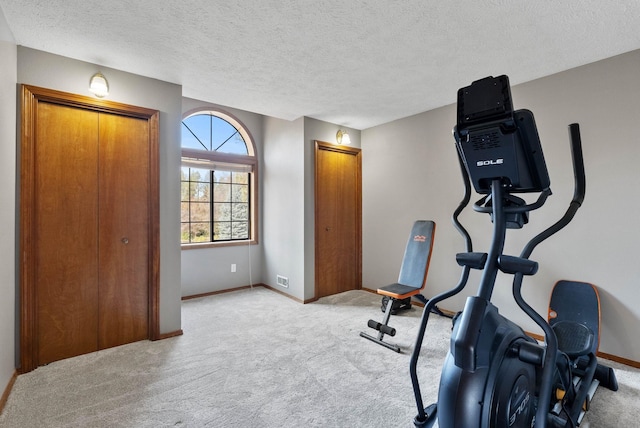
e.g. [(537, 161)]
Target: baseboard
[(7, 391), (625, 361), (244, 287), (213, 293), (170, 334), (268, 287)]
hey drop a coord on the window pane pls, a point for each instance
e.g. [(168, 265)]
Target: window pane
[(226, 138), (184, 233), (235, 145), (240, 212), (184, 211), (223, 131), (184, 173), (221, 177), (196, 132), (200, 211), (200, 232), (222, 192), (222, 231), (184, 191), (240, 230), (198, 174), (200, 192), (240, 177), (221, 212), (240, 193)]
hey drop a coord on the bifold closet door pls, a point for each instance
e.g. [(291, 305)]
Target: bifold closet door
[(91, 231), (124, 230), (65, 235)]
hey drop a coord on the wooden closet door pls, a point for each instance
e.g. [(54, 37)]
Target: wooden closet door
[(123, 230), (89, 225), (65, 231), (338, 219)]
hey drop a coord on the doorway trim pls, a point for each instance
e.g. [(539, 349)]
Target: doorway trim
[(357, 153), (30, 97)]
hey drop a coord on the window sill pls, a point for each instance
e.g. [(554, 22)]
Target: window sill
[(198, 246)]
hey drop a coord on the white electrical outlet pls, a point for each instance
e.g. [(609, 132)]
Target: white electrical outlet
[(233, 267), (283, 281)]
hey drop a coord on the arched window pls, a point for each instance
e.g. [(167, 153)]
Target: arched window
[(218, 178)]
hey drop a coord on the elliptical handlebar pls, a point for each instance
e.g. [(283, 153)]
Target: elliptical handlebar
[(578, 164), (550, 337), (578, 194)]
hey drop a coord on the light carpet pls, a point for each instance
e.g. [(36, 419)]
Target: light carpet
[(254, 358)]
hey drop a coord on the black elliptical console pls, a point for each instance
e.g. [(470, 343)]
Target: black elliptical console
[(497, 142), (494, 374)]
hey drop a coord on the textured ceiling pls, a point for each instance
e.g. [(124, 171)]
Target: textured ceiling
[(356, 63)]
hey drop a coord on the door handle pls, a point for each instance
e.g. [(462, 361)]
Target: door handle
[(125, 240)]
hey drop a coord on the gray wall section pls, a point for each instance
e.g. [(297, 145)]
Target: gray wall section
[(209, 269), (64, 74), (8, 79), (283, 204), (288, 207), (410, 171)]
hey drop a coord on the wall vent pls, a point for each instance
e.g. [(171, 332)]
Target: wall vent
[(283, 281)]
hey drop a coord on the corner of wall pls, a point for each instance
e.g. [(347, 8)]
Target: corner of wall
[(8, 114)]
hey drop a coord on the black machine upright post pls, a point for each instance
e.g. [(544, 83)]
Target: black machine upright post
[(490, 271)]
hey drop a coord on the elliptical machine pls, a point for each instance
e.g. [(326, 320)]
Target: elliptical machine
[(495, 375)]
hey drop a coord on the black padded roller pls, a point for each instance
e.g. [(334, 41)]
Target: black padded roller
[(381, 327), (387, 330)]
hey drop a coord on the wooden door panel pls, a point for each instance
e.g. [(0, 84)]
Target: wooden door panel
[(60, 233), (124, 230), (326, 220), (66, 245), (347, 223), (338, 220)]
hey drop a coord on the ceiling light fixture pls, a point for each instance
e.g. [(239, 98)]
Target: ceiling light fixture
[(342, 137), (98, 85)]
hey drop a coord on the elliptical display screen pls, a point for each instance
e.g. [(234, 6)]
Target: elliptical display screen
[(496, 142)]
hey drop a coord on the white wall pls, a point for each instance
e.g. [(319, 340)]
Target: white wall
[(55, 72), (283, 204), (410, 171), (209, 269), (8, 79)]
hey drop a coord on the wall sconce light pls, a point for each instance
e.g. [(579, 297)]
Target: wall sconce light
[(342, 137), (98, 85)]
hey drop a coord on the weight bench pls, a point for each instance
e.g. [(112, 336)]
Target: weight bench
[(412, 279)]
